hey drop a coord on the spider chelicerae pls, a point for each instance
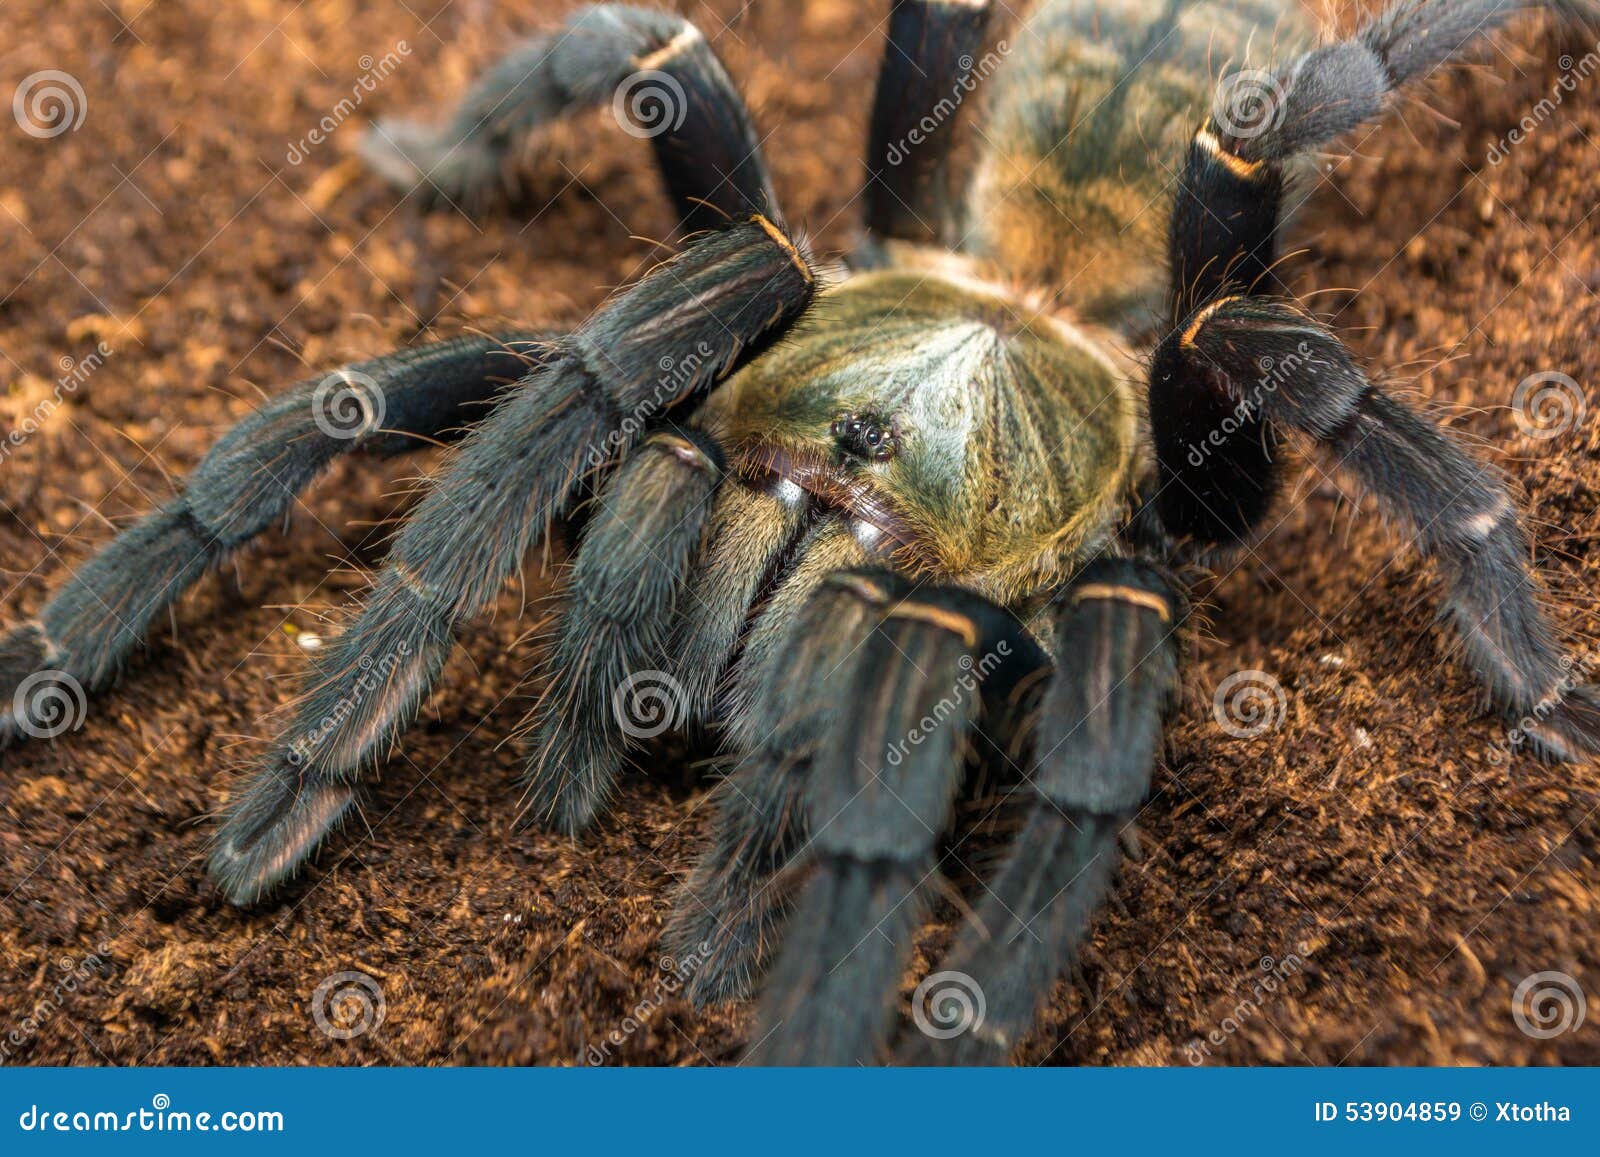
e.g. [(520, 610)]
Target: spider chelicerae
[(879, 526)]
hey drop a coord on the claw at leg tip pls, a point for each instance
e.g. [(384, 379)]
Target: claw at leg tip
[(272, 830)]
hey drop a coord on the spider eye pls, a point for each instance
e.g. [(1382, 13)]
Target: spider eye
[(865, 436)]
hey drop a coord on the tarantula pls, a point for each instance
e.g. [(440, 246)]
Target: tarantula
[(879, 527)]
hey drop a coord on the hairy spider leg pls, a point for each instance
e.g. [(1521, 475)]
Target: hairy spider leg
[(877, 800), (731, 911), (622, 598), (655, 71), (1099, 730), (1225, 221), (247, 482), (1459, 510), (930, 68), (724, 298)]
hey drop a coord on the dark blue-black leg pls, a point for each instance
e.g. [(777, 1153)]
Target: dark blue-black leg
[(1458, 509), (604, 687), (657, 347), (386, 406), (1099, 730), (1218, 463), (1239, 370), (661, 80), (928, 75), (900, 718)]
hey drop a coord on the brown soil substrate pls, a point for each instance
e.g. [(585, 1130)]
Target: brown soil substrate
[(1413, 879)]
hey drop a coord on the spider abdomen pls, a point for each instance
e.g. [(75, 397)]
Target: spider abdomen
[(1076, 180)]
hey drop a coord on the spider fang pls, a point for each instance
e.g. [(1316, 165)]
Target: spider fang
[(832, 487)]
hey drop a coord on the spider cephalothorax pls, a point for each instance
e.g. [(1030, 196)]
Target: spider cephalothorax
[(874, 531), (1013, 435)]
